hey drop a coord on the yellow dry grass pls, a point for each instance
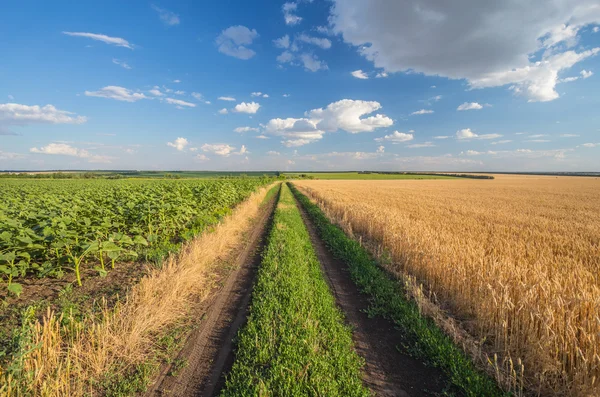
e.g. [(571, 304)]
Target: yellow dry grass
[(124, 337), (517, 259)]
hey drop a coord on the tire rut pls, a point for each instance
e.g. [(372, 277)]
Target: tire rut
[(387, 371), (208, 350)]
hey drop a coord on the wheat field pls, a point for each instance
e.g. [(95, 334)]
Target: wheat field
[(515, 259)]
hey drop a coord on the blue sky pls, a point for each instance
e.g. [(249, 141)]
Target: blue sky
[(304, 85)]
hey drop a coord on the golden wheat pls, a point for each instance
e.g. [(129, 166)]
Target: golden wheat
[(517, 259)]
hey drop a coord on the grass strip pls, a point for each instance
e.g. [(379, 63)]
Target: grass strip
[(295, 342), (388, 299)]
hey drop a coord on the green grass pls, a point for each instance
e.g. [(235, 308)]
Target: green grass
[(388, 299), (295, 342), (356, 175)]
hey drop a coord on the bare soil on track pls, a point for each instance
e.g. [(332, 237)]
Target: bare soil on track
[(387, 371), (208, 351)]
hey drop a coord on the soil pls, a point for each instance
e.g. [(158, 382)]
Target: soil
[(387, 371), (208, 351)]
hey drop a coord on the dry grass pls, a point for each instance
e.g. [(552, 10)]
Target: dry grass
[(516, 260), (70, 362)]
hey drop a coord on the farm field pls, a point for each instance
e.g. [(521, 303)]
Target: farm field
[(364, 176), (69, 246), (515, 260)]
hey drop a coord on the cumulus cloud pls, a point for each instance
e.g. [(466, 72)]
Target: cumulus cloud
[(241, 130), (285, 57), (119, 42), (590, 144), (586, 73), (273, 153), (17, 114), (323, 43), (223, 111), (258, 93), (359, 74), (381, 149), (220, 149), (396, 137), (64, 149), (422, 111), (470, 106), (156, 91), (167, 17), (117, 93), (282, 42), (289, 13), (201, 157), (569, 135), (311, 62), (522, 45), (344, 115), (179, 103), (442, 137), (381, 75), (347, 115), (179, 143), (226, 98), (234, 40), (466, 133), (250, 107)]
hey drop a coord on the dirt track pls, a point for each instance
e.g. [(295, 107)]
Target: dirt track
[(387, 371), (208, 350)]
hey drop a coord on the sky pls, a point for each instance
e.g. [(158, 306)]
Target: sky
[(431, 85)]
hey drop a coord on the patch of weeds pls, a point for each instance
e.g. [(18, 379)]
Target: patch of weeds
[(177, 366)]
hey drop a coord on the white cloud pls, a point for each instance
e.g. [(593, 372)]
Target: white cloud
[(311, 62), (262, 136), (344, 115), (117, 93), (285, 57), (586, 73), (420, 145), (250, 107), (282, 42), (119, 42), (241, 130), (258, 93), (10, 155), (470, 106), (63, 149), (179, 92), (220, 149), (538, 136), (167, 17), (468, 134), (422, 111), (176, 81), (359, 74), (381, 75), (201, 157), (273, 153), (179, 102), (590, 144), (223, 111), (442, 137), (226, 98), (381, 149), (442, 38), (156, 91), (179, 143), (122, 64), (233, 41), (17, 114), (501, 142), (199, 97), (396, 137), (596, 29), (289, 15), (286, 95), (568, 79), (319, 42), (569, 135)]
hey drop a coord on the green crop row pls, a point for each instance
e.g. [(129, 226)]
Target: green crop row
[(49, 226), (295, 342), (388, 299)]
